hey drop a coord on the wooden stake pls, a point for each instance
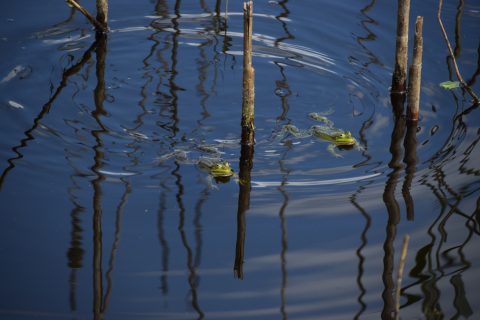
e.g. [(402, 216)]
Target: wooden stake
[(248, 137), (401, 50), (100, 27), (248, 77), (102, 13), (415, 73)]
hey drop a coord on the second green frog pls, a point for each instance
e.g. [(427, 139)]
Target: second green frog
[(338, 138)]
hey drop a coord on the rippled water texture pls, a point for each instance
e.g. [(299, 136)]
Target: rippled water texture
[(106, 213)]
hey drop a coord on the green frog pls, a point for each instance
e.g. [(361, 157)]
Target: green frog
[(216, 167), (338, 138), (219, 169), (294, 131)]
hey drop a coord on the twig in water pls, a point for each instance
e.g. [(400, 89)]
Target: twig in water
[(450, 50)]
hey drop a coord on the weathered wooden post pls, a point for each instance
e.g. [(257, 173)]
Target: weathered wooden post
[(248, 137), (415, 73), (399, 78), (248, 96), (102, 13), (101, 22)]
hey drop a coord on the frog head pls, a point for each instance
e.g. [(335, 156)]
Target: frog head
[(344, 139), (221, 170)]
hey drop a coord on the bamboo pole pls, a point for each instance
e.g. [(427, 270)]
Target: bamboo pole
[(415, 73), (401, 50), (401, 266), (450, 50), (248, 77)]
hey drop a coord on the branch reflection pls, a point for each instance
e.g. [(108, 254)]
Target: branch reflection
[(435, 261), (45, 110)]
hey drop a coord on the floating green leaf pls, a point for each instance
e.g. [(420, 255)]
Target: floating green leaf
[(449, 85)]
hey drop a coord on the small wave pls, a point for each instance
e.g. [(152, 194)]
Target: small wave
[(66, 39), (265, 184), (117, 174)]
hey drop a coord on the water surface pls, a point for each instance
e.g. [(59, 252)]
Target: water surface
[(98, 220)]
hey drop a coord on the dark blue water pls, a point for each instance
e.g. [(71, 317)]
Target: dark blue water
[(98, 221)]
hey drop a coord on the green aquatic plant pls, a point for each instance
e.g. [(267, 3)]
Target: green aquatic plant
[(450, 85)]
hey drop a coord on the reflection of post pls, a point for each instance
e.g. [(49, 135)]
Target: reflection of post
[(361, 257), (392, 206), (410, 159), (248, 136), (396, 151), (401, 50), (388, 311), (99, 97), (116, 241), (75, 252), (163, 243), (284, 238), (458, 24), (45, 110), (246, 164)]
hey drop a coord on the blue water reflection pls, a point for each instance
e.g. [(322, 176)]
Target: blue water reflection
[(106, 213)]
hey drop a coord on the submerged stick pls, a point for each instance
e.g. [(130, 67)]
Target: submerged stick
[(401, 266), (450, 50), (399, 77), (248, 77), (100, 27), (415, 72)]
